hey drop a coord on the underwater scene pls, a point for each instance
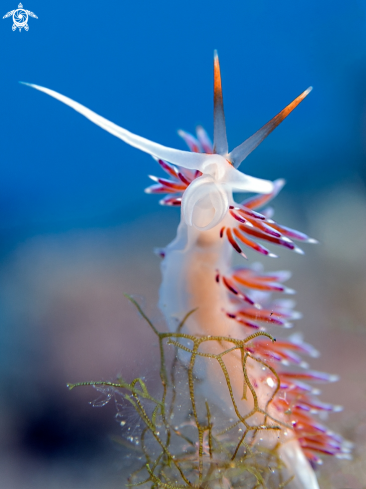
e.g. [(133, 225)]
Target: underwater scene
[(182, 292)]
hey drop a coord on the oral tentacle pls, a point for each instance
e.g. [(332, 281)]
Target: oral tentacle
[(186, 159), (239, 182), (206, 163)]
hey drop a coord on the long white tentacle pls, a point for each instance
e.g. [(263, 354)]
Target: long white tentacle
[(206, 163), (194, 161)]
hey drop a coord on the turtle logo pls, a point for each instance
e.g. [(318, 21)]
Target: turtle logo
[(20, 17)]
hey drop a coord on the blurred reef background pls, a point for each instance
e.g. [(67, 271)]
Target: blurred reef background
[(77, 230)]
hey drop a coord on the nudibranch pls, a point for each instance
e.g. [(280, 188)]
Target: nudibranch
[(197, 274)]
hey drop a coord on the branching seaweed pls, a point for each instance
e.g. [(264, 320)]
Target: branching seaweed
[(182, 446)]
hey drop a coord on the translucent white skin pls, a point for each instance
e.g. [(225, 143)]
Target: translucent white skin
[(192, 259), (188, 271), (211, 164)]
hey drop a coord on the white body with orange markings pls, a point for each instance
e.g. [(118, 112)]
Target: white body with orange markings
[(188, 270), (197, 274)]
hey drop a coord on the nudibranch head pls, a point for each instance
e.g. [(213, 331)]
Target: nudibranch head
[(205, 203), (243, 222), (207, 199)]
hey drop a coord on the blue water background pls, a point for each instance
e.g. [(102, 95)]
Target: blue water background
[(77, 230), (148, 67)]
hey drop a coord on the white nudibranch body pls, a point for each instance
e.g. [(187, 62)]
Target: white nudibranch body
[(205, 203), (230, 302), (206, 200)]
